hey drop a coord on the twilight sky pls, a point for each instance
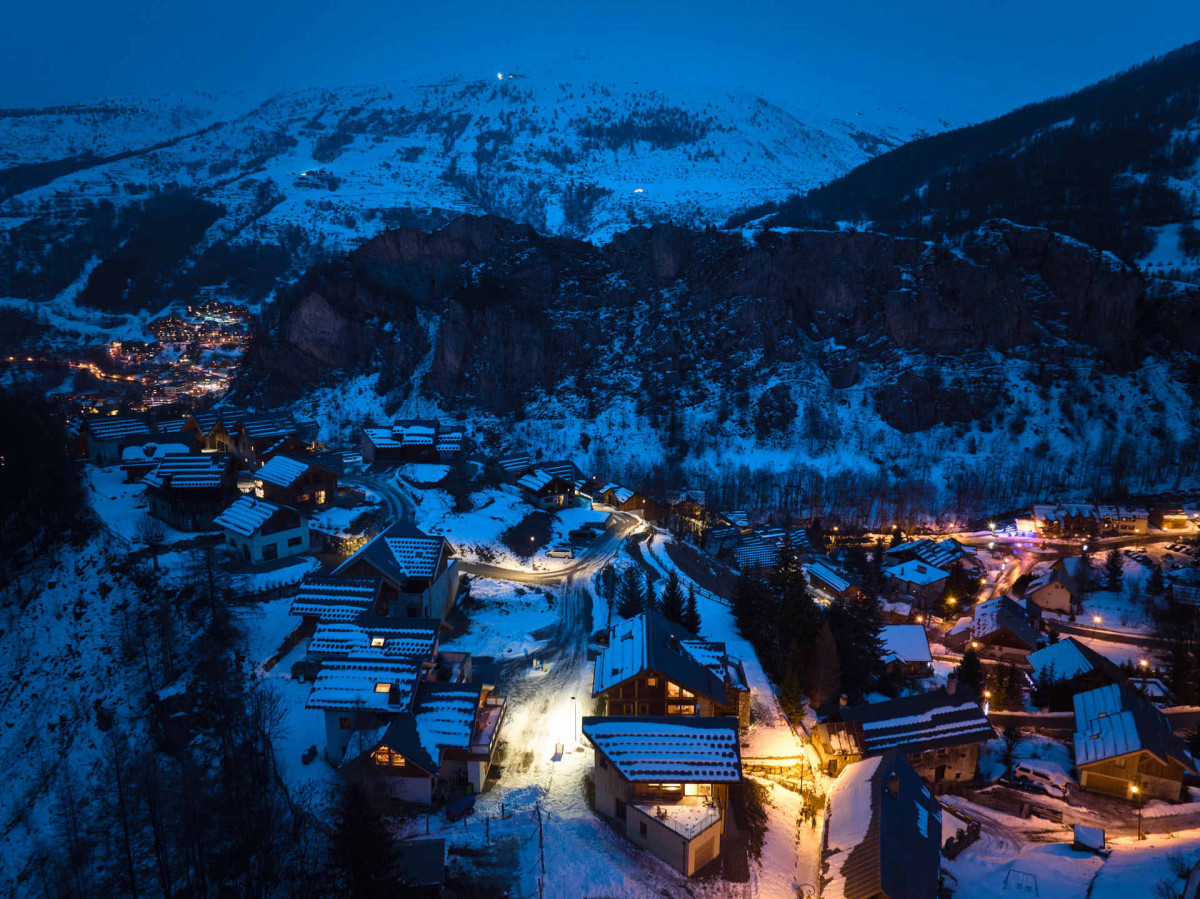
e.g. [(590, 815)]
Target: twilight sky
[(966, 60)]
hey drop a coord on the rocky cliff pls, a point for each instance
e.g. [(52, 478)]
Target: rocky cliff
[(510, 315)]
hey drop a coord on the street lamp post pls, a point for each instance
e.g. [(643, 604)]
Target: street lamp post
[(1137, 793), (1096, 619), (574, 719)]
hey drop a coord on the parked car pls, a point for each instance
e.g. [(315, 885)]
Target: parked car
[(1050, 782)]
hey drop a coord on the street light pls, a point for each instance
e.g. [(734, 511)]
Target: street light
[(574, 717), (1133, 788)]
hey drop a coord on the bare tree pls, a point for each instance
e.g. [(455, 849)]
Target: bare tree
[(153, 534), (1012, 736)]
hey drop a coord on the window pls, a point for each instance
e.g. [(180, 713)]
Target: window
[(270, 551), (675, 691), (642, 828), (383, 687), (681, 709), (293, 541), (377, 642), (652, 682), (345, 723), (603, 762)]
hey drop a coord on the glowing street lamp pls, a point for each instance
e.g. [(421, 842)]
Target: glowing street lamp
[(1137, 794)]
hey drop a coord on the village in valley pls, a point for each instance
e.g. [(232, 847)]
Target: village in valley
[(538, 682)]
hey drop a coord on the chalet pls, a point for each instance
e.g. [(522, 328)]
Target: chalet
[(1123, 520), (1122, 741), (829, 582), (917, 579), (413, 440), (1053, 590), (664, 782), (906, 650), (936, 554), (252, 438), (559, 468), (260, 531), (1075, 665), (1066, 520), (293, 482), (940, 733), (883, 833), (1000, 628), (546, 490), (291, 445), (420, 578), (722, 537), (688, 515), (445, 745), (189, 491), (622, 499), (138, 461), (757, 553), (326, 598), (652, 666), (389, 639), (202, 427), (361, 695), (515, 464), (106, 438)]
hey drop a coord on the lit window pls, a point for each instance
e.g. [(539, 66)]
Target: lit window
[(652, 682), (377, 642), (383, 687)]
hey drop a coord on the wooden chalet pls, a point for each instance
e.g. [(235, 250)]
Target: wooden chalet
[(655, 667), (1074, 664), (663, 782), (419, 576), (189, 491), (941, 734), (1122, 741), (545, 490), (1000, 628), (413, 440), (260, 531), (882, 837), (296, 482)]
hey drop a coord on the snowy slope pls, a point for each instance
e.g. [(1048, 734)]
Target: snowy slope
[(319, 170)]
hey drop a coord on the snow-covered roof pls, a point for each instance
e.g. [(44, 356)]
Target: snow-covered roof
[(335, 598), (621, 494), (919, 723), (382, 438), (381, 686), (906, 642), (1114, 720), (151, 452), (188, 471), (536, 480), (1055, 511), (103, 428), (669, 749), (650, 641), (1003, 613), (915, 571), (262, 426), (829, 575), (755, 552), (940, 554), (282, 471), (246, 515), (400, 552), (883, 832), (376, 641), (514, 462), (1069, 659)]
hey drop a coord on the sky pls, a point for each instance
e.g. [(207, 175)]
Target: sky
[(967, 60)]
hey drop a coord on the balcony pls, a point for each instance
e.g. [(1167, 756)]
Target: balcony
[(689, 816)]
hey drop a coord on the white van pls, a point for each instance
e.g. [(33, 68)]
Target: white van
[(1054, 782)]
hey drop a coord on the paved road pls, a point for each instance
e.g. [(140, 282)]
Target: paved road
[(584, 565), (399, 505)]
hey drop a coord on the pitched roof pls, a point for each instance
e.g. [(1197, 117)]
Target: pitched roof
[(400, 552), (916, 572), (883, 832), (104, 427), (650, 641), (828, 574), (246, 515), (282, 471), (919, 723), (367, 684), (539, 479), (402, 639), (332, 598), (260, 426), (382, 438), (673, 749), (514, 462), (1114, 720), (1003, 613), (905, 643), (151, 452), (940, 554), (189, 471), (1071, 659)]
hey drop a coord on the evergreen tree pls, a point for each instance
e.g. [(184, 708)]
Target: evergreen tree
[(1113, 570), (856, 626), (1155, 584), (672, 603), (1007, 688), (961, 588), (816, 535), (970, 672), (691, 616), (631, 595), (825, 675)]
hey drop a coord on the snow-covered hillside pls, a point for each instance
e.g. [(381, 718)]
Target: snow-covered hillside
[(320, 170)]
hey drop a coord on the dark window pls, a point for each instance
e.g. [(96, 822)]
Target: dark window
[(294, 541), (642, 828), (270, 551), (603, 762), (620, 810), (344, 723)]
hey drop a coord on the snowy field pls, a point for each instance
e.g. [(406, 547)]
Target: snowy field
[(122, 506)]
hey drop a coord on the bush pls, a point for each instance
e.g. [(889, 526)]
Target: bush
[(530, 534)]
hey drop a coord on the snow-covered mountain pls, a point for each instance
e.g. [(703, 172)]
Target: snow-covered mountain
[(322, 170)]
